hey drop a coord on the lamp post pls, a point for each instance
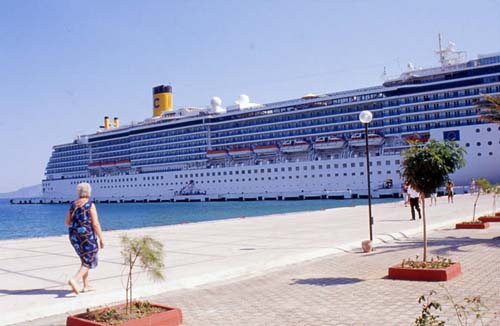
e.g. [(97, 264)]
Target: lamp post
[(366, 117)]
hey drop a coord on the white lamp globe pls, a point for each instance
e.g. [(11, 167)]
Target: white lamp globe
[(365, 116)]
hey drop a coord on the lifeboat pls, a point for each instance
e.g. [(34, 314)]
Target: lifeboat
[(294, 146), (122, 163), (214, 154), (417, 138), (358, 140), (324, 143), (266, 149), (243, 151)]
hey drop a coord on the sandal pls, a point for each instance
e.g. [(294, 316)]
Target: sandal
[(88, 289)]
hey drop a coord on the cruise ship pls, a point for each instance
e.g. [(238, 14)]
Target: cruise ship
[(312, 146)]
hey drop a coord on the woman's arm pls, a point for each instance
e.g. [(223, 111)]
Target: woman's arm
[(96, 225), (68, 218)]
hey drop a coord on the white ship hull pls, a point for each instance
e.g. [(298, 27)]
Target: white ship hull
[(341, 177)]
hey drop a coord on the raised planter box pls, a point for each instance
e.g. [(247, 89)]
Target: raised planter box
[(487, 219), (472, 225), (170, 317), (425, 274)]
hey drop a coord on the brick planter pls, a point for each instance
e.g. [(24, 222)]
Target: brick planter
[(486, 219), (472, 225), (425, 274), (169, 317)]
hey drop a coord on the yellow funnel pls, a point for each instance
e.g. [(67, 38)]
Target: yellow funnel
[(162, 99)]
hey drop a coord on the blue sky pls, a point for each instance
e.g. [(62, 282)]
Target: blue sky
[(66, 64)]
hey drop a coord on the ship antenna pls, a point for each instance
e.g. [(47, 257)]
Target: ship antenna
[(441, 53)]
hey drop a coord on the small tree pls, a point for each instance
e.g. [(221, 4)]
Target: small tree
[(427, 168), (146, 251), (483, 186)]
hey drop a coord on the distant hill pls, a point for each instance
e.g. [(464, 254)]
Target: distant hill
[(32, 191)]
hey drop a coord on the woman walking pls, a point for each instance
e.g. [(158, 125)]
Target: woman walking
[(83, 226)]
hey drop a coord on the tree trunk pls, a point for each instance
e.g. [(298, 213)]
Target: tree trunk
[(475, 204), (425, 229)]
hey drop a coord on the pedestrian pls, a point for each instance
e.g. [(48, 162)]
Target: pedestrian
[(85, 235), (472, 188), (414, 202), (449, 191), (434, 198), (404, 192)]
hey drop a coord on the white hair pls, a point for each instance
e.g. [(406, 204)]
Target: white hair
[(83, 190)]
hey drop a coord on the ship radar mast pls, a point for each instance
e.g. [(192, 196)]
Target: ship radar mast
[(449, 55)]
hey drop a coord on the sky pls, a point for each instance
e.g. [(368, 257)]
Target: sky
[(64, 65)]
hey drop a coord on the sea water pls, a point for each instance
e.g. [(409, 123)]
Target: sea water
[(33, 220)]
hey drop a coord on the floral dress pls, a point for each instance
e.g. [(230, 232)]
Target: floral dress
[(82, 235)]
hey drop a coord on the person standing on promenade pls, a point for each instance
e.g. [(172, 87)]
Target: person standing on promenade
[(414, 202), (449, 190), (434, 198), (83, 227), (404, 192), (472, 188)]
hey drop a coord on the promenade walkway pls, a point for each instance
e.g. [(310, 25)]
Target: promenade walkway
[(244, 273)]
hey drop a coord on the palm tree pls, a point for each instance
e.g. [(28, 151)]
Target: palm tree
[(489, 108)]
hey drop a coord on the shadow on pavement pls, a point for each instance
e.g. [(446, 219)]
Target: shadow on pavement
[(440, 247), (57, 293), (326, 281)]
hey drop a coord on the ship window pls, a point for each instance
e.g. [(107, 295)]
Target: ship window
[(336, 174), (305, 176), (478, 143), (230, 173), (261, 170), (361, 164), (477, 130), (256, 179), (353, 165), (353, 173), (255, 171), (467, 144), (490, 143), (378, 172), (282, 169), (361, 173), (490, 153), (218, 173), (268, 170), (237, 172), (289, 177), (388, 172), (312, 167), (345, 174), (387, 162), (398, 162), (305, 168), (478, 154), (488, 129), (328, 166), (336, 166), (297, 168), (344, 165), (379, 163)]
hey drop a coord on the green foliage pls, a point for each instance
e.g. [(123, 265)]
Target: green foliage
[(489, 108), (438, 262), (148, 252), (427, 317), (427, 167)]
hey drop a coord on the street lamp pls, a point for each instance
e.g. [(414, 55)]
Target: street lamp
[(366, 117)]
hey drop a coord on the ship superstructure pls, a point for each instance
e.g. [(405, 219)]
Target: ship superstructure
[(311, 146)]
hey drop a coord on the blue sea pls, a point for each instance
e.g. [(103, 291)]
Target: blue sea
[(27, 221)]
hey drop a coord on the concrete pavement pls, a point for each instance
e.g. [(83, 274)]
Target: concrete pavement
[(35, 271)]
